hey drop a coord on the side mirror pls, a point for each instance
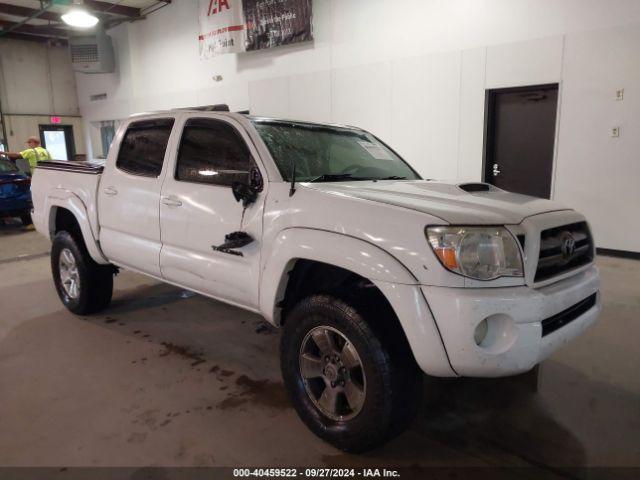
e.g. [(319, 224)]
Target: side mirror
[(244, 193), (248, 193)]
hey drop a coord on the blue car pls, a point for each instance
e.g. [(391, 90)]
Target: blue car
[(15, 193)]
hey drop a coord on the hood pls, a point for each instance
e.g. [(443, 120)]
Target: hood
[(455, 203)]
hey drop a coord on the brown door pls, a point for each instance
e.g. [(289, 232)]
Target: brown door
[(521, 125)]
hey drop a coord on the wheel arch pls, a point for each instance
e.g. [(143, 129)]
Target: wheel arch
[(303, 246), (69, 213)]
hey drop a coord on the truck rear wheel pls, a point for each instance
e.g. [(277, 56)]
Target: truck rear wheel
[(84, 286), (348, 387)]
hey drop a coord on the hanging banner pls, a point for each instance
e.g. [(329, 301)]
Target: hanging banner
[(271, 23), (222, 27), (232, 26)]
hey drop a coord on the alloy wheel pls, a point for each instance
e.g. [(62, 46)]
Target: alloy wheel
[(332, 373)]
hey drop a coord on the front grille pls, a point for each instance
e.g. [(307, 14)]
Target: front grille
[(559, 320), (564, 248)]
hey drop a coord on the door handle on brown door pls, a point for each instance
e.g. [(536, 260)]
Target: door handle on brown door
[(110, 191), (171, 201), (496, 170)]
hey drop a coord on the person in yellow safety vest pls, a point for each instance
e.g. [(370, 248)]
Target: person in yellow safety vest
[(34, 154)]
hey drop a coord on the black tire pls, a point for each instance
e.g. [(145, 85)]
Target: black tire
[(26, 219), (95, 281), (393, 386)]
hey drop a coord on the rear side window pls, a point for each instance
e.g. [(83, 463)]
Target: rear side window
[(213, 152), (143, 147)]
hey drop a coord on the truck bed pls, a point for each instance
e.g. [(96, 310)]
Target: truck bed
[(56, 182)]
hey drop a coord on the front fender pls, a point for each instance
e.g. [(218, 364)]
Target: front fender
[(355, 255), (392, 278), (60, 198)]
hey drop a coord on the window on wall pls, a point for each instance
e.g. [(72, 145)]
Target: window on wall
[(143, 147), (212, 151), (107, 132)]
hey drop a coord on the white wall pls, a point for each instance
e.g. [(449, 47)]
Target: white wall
[(21, 127), (414, 72), (37, 82), (598, 173)]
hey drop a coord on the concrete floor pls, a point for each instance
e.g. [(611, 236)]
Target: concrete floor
[(166, 378)]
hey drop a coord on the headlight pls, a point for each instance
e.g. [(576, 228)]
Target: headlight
[(483, 253)]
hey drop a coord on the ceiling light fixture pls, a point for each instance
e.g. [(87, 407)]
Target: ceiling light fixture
[(79, 17)]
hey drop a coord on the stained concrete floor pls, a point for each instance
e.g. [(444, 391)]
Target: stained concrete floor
[(167, 378)]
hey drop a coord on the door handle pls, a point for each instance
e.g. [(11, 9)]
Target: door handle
[(496, 170), (171, 201), (110, 191)]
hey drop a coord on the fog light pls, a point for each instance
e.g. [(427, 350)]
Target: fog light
[(496, 334), (481, 332)]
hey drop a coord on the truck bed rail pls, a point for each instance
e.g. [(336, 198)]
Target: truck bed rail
[(90, 168)]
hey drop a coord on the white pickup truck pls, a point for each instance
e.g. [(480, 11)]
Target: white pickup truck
[(375, 274)]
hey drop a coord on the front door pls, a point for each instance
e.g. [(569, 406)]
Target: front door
[(521, 124), (58, 140), (198, 209), (129, 196)]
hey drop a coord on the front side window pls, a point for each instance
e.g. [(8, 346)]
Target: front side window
[(325, 153), (143, 147), (212, 151)]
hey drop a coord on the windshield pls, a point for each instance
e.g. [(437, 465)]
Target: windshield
[(7, 167), (325, 153)]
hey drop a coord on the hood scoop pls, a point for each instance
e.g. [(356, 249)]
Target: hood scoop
[(477, 187)]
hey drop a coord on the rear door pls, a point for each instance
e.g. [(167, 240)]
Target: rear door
[(198, 209), (129, 195)]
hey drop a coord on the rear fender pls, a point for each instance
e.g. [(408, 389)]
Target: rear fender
[(60, 198)]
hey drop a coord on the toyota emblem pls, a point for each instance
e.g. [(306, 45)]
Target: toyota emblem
[(568, 245)]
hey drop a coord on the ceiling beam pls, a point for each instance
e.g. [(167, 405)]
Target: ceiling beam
[(94, 5), (40, 30), (112, 8), (18, 11), (36, 38)]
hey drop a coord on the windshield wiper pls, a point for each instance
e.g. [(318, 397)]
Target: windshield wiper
[(332, 177), (336, 177)]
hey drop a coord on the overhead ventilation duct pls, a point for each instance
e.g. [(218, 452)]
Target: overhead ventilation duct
[(92, 53)]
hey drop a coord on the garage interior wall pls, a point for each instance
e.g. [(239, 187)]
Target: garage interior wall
[(415, 72), (36, 83)]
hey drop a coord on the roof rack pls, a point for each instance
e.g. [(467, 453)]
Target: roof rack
[(220, 107)]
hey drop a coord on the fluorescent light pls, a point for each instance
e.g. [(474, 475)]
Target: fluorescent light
[(79, 18)]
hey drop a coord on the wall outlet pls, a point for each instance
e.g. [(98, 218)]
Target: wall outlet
[(620, 94), (615, 132)]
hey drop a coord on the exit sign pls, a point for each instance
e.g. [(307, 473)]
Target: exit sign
[(56, 120)]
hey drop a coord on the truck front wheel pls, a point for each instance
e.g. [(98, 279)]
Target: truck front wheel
[(84, 286), (346, 384)]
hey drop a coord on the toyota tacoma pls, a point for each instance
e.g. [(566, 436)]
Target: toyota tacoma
[(374, 274)]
